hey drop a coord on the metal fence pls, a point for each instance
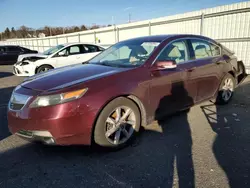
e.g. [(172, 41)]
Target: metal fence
[(229, 24)]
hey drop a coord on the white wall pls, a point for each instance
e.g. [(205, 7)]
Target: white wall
[(229, 23)]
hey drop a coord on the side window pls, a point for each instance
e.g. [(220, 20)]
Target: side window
[(64, 51), (201, 49), (74, 50), (215, 50), (100, 48), (175, 51), (91, 48), (13, 49)]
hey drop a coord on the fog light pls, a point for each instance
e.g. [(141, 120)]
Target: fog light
[(42, 133)]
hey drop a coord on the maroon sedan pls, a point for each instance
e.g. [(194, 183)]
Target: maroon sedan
[(132, 83)]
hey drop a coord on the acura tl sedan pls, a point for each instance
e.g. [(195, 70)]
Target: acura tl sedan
[(134, 82)]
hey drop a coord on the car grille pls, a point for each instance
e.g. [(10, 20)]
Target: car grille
[(18, 101)]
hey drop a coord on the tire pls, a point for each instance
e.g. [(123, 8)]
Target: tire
[(44, 68), (226, 90), (107, 122)]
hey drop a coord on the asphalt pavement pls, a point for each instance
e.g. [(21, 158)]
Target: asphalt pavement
[(208, 146)]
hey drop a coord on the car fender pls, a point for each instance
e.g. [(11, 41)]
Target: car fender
[(48, 61)]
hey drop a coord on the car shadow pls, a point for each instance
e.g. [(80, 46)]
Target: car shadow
[(5, 74), (231, 146), (147, 162), (4, 99)]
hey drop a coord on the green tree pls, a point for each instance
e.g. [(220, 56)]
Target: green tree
[(13, 33), (7, 33), (83, 28)]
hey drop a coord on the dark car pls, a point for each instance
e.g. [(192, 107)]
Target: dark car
[(132, 83), (9, 54)]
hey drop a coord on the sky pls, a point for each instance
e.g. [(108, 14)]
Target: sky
[(38, 13)]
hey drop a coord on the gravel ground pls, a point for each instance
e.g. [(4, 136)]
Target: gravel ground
[(208, 146)]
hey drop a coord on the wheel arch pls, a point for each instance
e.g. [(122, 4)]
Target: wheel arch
[(232, 73), (131, 97), (43, 65)]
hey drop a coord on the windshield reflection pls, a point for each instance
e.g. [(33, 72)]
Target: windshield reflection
[(126, 54)]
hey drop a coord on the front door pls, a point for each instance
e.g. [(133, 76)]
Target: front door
[(171, 90), (71, 55)]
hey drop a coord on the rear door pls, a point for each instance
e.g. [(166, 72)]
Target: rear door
[(208, 67)]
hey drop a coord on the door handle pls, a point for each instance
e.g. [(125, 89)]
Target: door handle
[(191, 69)]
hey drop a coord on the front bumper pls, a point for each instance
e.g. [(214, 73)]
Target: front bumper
[(69, 123), (24, 70)]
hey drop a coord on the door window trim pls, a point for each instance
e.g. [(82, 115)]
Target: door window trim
[(188, 38), (209, 42)]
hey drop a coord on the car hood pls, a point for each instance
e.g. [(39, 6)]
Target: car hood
[(21, 57), (67, 76)]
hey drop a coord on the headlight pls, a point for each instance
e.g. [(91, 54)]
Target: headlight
[(50, 100)]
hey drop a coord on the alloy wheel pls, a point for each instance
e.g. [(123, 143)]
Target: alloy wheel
[(227, 89), (120, 125), (45, 69)]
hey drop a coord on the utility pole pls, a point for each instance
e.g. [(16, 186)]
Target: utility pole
[(129, 18), (113, 20), (50, 31)]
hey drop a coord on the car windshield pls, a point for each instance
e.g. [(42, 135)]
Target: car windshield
[(53, 50), (130, 53)]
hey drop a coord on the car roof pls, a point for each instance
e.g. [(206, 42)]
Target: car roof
[(161, 38), (8, 45), (76, 43)]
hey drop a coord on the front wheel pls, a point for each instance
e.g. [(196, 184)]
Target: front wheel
[(44, 68), (226, 89), (117, 123)]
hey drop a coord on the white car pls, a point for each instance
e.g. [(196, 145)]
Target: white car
[(58, 56)]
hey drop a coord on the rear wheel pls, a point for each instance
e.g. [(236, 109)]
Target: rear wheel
[(226, 90), (117, 123), (44, 68)]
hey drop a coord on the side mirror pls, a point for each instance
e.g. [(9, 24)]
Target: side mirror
[(61, 54), (163, 65)]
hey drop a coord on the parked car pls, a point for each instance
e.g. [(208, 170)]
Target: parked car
[(58, 56), (129, 85), (9, 53)]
